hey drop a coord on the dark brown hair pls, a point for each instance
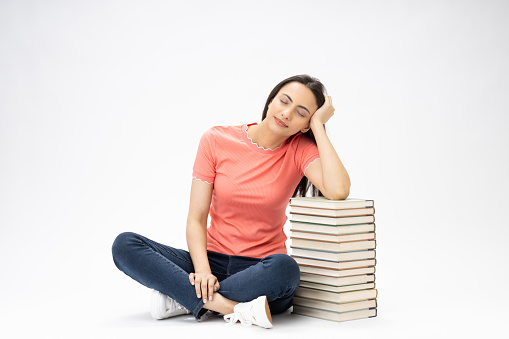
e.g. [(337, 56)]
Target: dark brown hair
[(318, 89)]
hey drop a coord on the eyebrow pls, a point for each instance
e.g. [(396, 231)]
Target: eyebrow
[(303, 107)]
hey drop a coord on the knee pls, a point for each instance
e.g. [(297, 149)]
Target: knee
[(120, 246), (286, 266)]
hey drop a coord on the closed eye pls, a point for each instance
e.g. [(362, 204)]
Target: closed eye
[(300, 106)]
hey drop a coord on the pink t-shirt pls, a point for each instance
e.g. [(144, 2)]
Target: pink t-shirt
[(252, 188)]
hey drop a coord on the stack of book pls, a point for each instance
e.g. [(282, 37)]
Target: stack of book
[(333, 241)]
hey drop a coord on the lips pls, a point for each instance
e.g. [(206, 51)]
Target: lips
[(280, 122)]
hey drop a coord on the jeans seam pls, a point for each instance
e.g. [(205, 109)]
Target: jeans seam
[(166, 259), (229, 266), (217, 273), (197, 309), (145, 241)]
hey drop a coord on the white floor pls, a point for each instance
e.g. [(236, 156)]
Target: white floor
[(82, 314), (77, 292)]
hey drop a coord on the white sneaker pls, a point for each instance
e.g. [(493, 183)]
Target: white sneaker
[(162, 306), (255, 312)]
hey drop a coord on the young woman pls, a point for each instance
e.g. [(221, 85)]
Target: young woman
[(243, 177)]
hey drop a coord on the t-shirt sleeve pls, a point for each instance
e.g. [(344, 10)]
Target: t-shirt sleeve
[(306, 154), (204, 168)]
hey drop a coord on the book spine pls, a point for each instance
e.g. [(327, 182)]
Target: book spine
[(326, 249)]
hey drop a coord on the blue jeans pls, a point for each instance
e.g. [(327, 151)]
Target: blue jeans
[(166, 269)]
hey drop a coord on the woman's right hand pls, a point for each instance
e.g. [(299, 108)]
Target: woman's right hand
[(205, 284)]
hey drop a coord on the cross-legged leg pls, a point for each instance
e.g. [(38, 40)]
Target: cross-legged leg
[(159, 267), (276, 276)]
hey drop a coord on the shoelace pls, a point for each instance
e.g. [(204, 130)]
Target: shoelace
[(241, 314), (232, 318)]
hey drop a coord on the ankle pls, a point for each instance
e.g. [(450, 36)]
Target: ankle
[(220, 304)]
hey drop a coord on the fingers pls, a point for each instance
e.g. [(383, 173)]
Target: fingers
[(325, 112), (211, 288), (328, 98), (204, 290), (196, 283), (197, 287), (204, 285)]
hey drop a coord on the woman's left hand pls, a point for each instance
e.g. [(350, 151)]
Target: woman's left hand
[(324, 113)]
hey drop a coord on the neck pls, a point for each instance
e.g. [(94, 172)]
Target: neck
[(263, 137)]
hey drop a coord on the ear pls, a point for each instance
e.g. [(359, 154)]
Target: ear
[(305, 129)]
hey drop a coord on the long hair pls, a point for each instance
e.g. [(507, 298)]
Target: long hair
[(318, 89)]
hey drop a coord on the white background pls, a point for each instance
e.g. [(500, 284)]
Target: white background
[(102, 104)]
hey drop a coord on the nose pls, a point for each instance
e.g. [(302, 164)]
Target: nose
[(287, 113)]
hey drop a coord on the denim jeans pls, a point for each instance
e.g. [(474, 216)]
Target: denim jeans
[(166, 269)]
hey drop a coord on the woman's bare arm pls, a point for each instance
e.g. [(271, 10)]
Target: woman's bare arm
[(196, 233), (327, 173)]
